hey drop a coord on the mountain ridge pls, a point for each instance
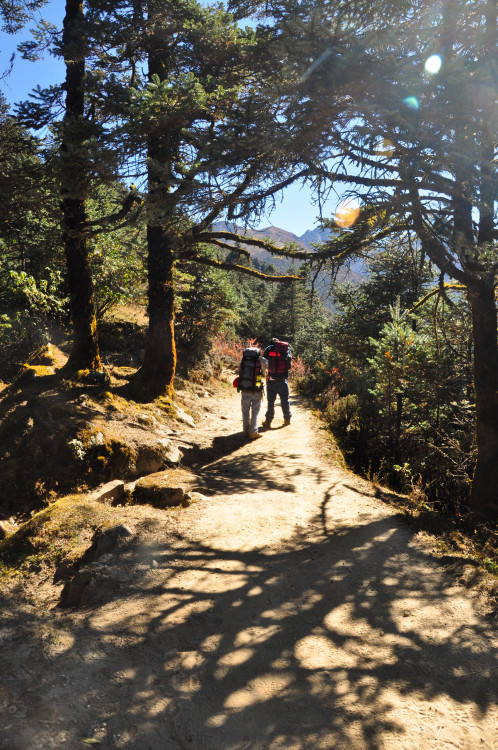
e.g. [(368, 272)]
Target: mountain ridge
[(277, 234), (307, 241)]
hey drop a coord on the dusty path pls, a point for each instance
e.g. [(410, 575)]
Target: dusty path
[(289, 611)]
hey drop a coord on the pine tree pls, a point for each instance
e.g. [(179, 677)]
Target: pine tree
[(14, 14), (207, 119), (416, 147), (28, 206), (80, 157), (290, 309), (30, 258)]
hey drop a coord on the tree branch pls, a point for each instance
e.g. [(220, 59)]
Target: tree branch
[(226, 266), (242, 239), (225, 246), (236, 196), (433, 292), (132, 203)]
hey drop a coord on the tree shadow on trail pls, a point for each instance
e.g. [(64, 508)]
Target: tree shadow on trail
[(261, 650), (222, 446), (258, 470)]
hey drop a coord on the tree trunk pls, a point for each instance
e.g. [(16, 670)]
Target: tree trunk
[(155, 377), (484, 497), (85, 352), (397, 429)]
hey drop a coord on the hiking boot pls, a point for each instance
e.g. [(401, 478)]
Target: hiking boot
[(255, 435), (265, 424), (286, 422)]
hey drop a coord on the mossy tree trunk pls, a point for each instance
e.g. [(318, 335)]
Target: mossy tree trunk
[(156, 375), (74, 184)]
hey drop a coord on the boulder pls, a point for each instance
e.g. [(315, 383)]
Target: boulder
[(109, 494), (171, 452), (75, 591), (91, 585), (147, 419), (108, 540), (166, 488), (150, 458), (182, 415), (165, 452)]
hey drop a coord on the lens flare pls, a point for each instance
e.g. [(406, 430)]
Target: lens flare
[(316, 64), (433, 64), (347, 213), (411, 102)]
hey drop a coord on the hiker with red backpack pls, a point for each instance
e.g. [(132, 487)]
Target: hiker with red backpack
[(279, 358), (250, 383)]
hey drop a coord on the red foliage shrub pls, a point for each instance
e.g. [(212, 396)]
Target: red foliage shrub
[(229, 349), (299, 369)]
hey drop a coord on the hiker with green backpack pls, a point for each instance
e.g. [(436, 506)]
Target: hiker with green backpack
[(250, 383), (279, 358)]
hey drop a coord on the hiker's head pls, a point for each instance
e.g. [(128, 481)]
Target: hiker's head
[(275, 341)]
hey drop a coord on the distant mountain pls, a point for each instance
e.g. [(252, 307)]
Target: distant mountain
[(282, 237), (356, 267), (315, 236), (277, 235)]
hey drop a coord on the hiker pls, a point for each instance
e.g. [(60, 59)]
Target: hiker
[(279, 358), (250, 384)]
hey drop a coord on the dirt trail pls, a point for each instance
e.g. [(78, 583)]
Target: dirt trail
[(289, 611)]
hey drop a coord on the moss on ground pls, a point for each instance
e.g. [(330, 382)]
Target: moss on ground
[(60, 532)]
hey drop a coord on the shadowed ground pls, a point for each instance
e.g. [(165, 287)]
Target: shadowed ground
[(290, 610)]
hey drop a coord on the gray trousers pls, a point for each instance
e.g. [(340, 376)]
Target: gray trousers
[(251, 404)]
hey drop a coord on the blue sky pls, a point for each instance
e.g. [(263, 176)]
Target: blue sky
[(25, 75), (295, 212)]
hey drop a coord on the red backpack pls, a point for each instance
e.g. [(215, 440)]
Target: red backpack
[(279, 359)]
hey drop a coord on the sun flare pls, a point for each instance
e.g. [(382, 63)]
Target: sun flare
[(347, 213)]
